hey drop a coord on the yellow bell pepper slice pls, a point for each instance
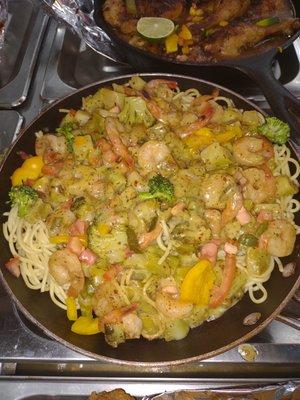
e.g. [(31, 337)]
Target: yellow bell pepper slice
[(18, 177), (71, 309), (203, 132), (33, 163), (200, 138), (185, 33), (223, 23), (197, 284), (30, 169), (61, 239), (171, 43), (86, 326), (224, 137), (230, 133), (185, 50)]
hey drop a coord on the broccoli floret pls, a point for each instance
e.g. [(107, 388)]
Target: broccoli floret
[(110, 246), (275, 130), (66, 130), (135, 111), (159, 188), (23, 197)]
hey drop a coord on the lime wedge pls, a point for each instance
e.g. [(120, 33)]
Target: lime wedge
[(155, 28)]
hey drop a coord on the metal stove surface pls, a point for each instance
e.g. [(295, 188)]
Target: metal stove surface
[(65, 64)]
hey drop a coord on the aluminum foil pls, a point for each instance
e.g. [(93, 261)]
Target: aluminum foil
[(79, 16), (3, 21), (286, 391)]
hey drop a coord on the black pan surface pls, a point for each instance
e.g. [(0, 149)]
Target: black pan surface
[(205, 341)]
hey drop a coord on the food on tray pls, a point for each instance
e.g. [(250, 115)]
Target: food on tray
[(153, 209), (117, 394), (202, 30), (282, 391)]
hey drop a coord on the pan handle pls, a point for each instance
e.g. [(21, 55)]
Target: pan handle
[(283, 104)]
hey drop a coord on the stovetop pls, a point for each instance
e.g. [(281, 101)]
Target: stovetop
[(53, 62)]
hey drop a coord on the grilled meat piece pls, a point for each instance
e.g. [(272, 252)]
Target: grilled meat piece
[(230, 42), (114, 12), (261, 9), (171, 9), (226, 10), (208, 6), (117, 394)]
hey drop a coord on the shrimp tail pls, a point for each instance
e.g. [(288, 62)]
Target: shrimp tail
[(147, 238)]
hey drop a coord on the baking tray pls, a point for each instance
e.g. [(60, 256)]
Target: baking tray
[(43, 388)]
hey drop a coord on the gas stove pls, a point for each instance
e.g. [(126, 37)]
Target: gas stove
[(52, 62)]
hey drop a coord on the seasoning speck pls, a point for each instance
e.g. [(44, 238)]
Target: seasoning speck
[(248, 352)]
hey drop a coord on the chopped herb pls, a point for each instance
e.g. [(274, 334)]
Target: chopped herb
[(66, 130)]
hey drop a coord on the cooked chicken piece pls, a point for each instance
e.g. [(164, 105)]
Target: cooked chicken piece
[(227, 10), (114, 12), (207, 5), (261, 9), (231, 41), (172, 9), (117, 394)]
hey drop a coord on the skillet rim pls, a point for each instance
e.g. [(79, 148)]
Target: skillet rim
[(116, 361)]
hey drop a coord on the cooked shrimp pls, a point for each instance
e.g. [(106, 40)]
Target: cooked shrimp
[(279, 238), (116, 316), (171, 306), (48, 142), (118, 146), (105, 300), (260, 186), (154, 154), (132, 326), (157, 112), (206, 112), (252, 151), (215, 190), (152, 85), (65, 268), (145, 239), (233, 206), (109, 157)]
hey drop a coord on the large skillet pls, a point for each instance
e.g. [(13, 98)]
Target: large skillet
[(257, 64), (205, 341)]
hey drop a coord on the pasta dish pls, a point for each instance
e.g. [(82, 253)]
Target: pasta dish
[(153, 209)]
